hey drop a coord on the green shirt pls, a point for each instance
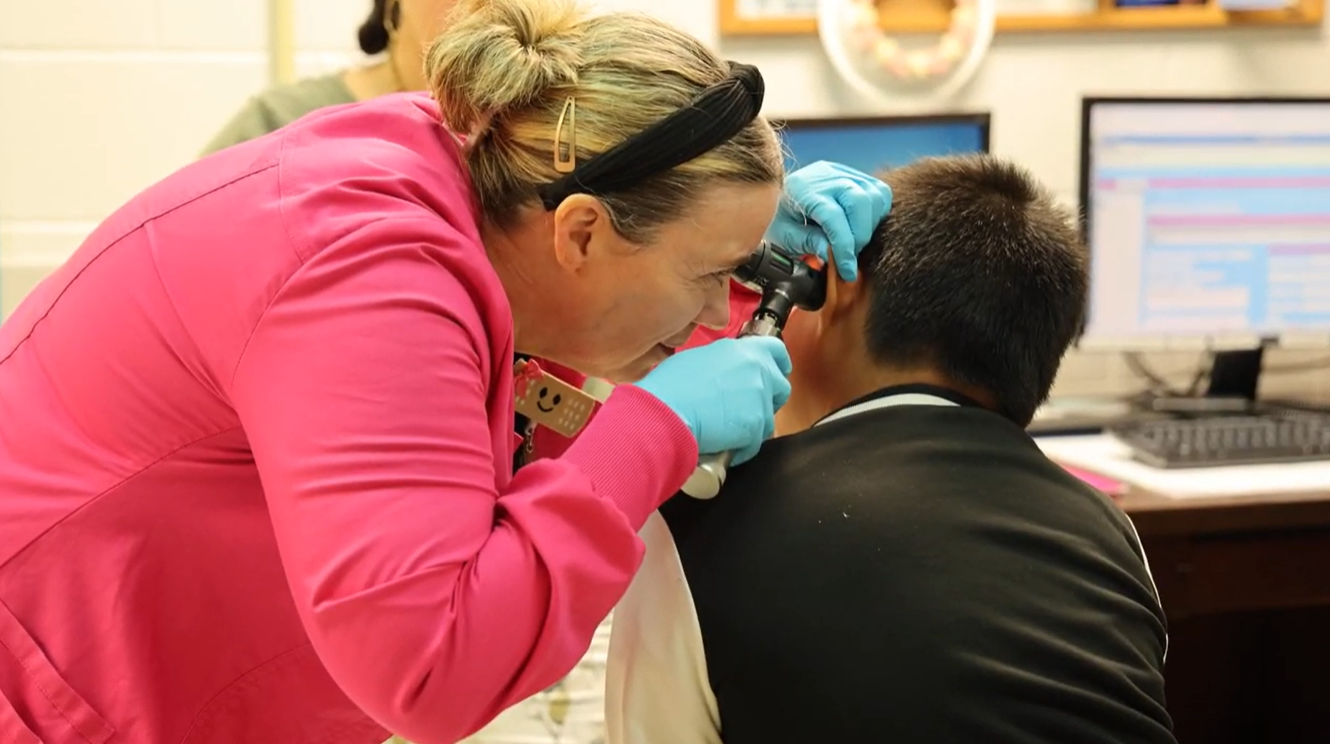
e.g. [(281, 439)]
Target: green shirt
[(278, 106)]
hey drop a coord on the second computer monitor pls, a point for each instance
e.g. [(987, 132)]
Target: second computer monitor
[(1208, 220), (873, 144)]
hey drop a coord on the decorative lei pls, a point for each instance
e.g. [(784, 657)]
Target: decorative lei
[(852, 36), (914, 64)]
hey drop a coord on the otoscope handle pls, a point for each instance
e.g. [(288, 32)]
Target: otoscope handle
[(706, 480)]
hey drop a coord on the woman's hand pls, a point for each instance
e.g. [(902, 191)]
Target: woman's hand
[(828, 205), (726, 392)]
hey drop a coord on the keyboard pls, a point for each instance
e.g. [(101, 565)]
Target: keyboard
[(1277, 436)]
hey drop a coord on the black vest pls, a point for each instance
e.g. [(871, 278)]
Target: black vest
[(921, 575)]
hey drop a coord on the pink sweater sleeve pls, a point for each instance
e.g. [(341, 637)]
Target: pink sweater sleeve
[(434, 599)]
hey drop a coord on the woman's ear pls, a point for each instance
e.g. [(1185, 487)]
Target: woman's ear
[(577, 222), (584, 233)]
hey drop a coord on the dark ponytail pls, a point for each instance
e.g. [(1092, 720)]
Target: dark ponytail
[(373, 34)]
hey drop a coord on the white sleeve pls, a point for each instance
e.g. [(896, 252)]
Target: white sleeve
[(572, 711), (657, 689), (1140, 547)]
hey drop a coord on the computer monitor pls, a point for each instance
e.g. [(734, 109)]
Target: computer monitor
[(1208, 224), (873, 144)]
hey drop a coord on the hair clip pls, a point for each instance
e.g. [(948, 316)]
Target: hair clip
[(479, 130), (565, 151)]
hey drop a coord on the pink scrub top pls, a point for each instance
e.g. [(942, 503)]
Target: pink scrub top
[(255, 462)]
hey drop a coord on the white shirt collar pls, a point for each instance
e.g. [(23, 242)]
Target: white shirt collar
[(902, 399)]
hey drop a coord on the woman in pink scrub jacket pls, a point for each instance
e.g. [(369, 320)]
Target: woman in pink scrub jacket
[(256, 435)]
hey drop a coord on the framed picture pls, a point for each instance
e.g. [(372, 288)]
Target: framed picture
[(799, 17), (768, 16)]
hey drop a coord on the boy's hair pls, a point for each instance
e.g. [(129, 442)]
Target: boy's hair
[(978, 273)]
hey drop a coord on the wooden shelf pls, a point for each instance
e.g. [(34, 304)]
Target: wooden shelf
[(931, 16)]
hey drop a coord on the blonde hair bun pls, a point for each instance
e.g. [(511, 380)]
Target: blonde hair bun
[(501, 54), (503, 71)]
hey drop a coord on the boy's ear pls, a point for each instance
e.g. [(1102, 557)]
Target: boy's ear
[(842, 296)]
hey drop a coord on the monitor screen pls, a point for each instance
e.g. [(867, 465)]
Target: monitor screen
[(1206, 219), (870, 145)]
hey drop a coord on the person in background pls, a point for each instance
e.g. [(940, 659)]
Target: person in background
[(397, 29), (903, 564)]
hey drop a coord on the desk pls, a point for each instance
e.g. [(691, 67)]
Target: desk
[(1245, 583)]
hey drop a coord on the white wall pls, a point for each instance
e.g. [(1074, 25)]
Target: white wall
[(98, 98)]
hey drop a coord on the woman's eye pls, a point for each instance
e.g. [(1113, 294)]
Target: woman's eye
[(721, 277)]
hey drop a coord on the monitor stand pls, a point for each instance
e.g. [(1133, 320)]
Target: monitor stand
[(1234, 377), (1235, 374)]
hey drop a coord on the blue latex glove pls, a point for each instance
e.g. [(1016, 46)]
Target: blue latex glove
[(727, 392), (828, 204)]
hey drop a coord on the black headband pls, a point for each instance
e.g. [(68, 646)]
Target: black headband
[(717, 114)]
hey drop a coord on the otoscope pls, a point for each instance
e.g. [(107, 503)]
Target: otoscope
[(785, 283)]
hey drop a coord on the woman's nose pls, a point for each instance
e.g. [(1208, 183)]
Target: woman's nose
[(716, 312)]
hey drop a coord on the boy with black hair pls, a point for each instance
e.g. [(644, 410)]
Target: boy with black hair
[(903, 564)]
